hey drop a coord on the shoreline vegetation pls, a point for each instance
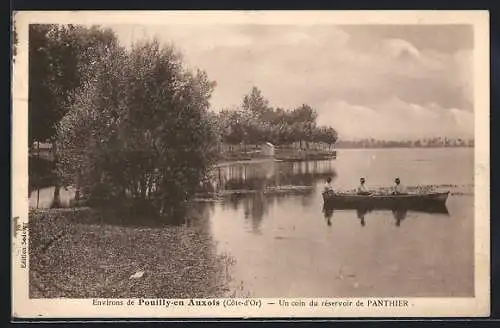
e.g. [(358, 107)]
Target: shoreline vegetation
[(436, 142)]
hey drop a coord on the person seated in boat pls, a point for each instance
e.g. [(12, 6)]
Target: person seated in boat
[(328, 185), (362, 188), (398, 189)]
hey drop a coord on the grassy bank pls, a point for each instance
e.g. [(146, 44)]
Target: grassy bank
[(75, 254)]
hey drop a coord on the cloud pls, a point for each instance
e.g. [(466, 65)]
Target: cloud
[(396, 119), (354, 76), (464, 72), (401, 49), (443, 38)]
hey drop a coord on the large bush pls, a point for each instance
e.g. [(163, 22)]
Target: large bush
[(140, 131)]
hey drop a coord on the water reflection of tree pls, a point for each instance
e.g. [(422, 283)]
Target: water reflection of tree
[(252, 179), (255, 208), (199, 215), (258, 176), (256, 205), (234, 200), (306, 201)]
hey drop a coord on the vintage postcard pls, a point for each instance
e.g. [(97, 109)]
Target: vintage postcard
[(250, 164)]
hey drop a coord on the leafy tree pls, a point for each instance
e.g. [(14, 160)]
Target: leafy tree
[(331, 136), (254, 102), (42, 97), (61, 60), (141, 131), (304, 114), (235, 132), (92, 122)]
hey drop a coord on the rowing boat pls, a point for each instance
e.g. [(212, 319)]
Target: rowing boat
[(424, 201)]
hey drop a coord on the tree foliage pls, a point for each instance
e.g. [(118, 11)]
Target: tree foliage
[(141, 130), (62, 58), (254, 102), (256, 122)]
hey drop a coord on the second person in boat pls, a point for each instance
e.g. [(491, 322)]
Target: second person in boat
[(398, 189), (362, 188)]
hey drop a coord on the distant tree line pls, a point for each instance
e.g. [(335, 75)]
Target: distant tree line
[(255, 122), (419, 143)]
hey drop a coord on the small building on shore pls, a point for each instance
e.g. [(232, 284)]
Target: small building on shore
[(267, 149)]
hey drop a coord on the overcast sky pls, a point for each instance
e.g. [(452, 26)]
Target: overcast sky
[(366, 81)]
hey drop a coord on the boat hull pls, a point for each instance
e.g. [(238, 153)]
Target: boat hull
[(431, 202)]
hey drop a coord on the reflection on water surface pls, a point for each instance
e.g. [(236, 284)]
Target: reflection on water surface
[(289, 244)]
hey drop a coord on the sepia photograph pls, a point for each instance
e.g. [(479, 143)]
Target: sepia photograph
[(246, 158)]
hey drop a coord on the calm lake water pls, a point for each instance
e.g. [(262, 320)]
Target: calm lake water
[(284, 245)]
